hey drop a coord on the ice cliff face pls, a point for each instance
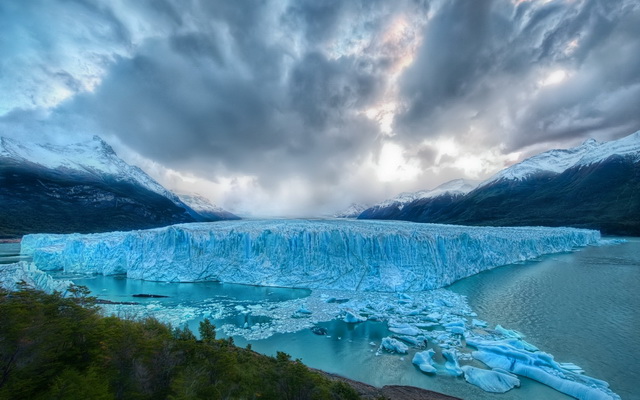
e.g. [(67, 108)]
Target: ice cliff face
[(12, 274), (349, 255)]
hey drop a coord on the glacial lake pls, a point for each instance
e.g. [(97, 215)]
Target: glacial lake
[(582, 307)]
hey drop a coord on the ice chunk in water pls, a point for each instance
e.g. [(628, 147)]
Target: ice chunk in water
[(496, 381), (352, 317), (451, 363), (394, 346), (424, 361)]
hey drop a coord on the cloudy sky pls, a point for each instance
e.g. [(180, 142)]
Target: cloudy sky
[(300, 107)]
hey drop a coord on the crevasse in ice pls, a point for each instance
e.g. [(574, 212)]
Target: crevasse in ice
[(322, 254)]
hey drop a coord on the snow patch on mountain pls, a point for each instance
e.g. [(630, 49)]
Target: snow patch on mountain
[(453, 188), (205, 207), (352, 211), (93, 157), (200, 203), (559, 160)]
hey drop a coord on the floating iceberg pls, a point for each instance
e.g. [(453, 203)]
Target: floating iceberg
[(451, 363), (352, 317), (317, 254), (494, 381), (394, 346), (541, 367), (424, 361), (404, 328)]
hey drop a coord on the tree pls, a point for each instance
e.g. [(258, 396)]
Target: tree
[(207, 331)]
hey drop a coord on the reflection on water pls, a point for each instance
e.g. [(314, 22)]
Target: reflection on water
[(119, 288), (10, 253), (581, 307)]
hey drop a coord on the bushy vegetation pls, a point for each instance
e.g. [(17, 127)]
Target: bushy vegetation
[(52, 347)]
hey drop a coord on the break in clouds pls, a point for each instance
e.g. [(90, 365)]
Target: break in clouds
[(301, 107)]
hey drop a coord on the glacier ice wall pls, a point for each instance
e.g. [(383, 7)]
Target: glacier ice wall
[(31, 276), (326, 254)]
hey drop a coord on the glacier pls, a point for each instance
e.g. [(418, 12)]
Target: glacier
[(26, 273), (389, 256)]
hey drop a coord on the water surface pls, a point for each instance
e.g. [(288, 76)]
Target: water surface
[(582, 307)]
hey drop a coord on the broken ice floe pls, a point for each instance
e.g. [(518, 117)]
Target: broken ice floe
[(424, 361), (437, 326), (393, 346), (11, 275), (494, 381), (352, 317), (174, 316), (539, 366)]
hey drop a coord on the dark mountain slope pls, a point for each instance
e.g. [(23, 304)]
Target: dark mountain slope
[(83, 187), (604, 196), (41, 200)]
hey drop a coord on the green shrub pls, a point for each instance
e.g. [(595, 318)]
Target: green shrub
[(52, 347)]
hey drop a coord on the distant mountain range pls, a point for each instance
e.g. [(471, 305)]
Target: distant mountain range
[(84, 187), (595, 185), (440, 196), (353, 211), (205, 208)]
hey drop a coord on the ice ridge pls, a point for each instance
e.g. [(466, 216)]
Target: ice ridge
[(14, 276), (319, 254)]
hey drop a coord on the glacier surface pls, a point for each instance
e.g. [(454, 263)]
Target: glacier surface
[(12, 275), (319, 254)]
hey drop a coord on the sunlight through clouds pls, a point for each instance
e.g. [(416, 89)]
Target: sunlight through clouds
[(362, 99), (393, 166)]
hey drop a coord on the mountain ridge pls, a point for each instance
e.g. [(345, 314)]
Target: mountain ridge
[(82, 187), (595, 185)]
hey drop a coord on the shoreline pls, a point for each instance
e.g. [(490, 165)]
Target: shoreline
[(391, 392)]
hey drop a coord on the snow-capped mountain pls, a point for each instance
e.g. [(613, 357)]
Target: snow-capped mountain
[(454, 187), (93, 157), (448, 190), (83, 187), (559, 160), (594, 185), (205, 207), (352, 211)]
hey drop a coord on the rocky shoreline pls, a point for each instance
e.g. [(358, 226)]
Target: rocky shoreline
[(391, 392)]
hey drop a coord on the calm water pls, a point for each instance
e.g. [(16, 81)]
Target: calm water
[(582, 307)]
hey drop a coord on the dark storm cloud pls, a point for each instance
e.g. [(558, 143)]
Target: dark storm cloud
[(489, 60), (296, 90), (322, 90), (220, 100), (317, 19), (450, 60)]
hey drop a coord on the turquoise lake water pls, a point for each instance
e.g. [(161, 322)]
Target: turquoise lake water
[(582, 307)]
